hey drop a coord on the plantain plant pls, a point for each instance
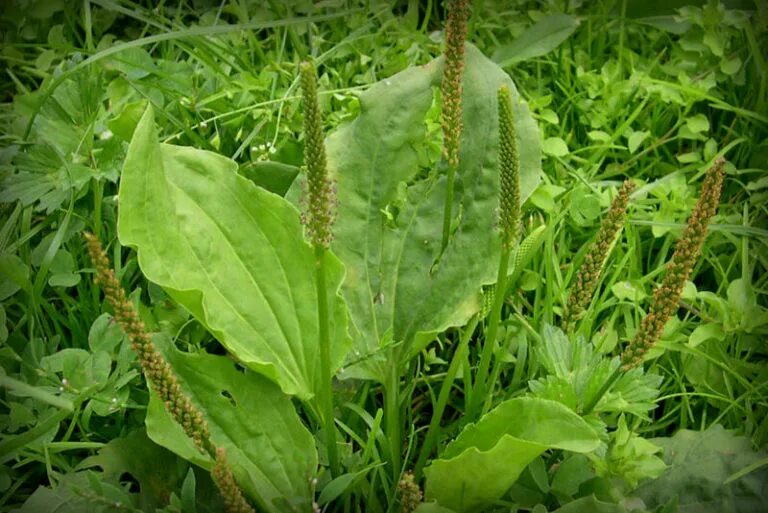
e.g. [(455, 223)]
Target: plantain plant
[(393, 248)]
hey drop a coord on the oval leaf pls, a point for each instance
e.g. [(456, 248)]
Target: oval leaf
[(232, 254), (390, 216), (485, 460), (270, 451)]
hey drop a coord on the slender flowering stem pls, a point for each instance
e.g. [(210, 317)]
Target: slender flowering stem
[(588, 274), (451, 91), (667, 297), (162, 379), (318, 220), (509, 222)]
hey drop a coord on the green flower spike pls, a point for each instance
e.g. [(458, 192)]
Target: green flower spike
[(509, 164), (588, 274), (320, 194), (410, 493), (667, 296)]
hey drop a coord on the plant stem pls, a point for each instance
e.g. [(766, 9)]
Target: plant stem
[(445, 391), (392, 414), (448, 210), (326, 375), (98, 194), (480, 390)]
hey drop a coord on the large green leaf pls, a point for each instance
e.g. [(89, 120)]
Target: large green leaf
[(270, 451), (486, 458), (390, 215), (231, 253)]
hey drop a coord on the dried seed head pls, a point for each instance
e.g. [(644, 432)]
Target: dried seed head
[(410, 493), (320, 193), (234, 502), (156, 369), (509, 170), (667, 296), (451, 84), (589, 273), (161, 377)]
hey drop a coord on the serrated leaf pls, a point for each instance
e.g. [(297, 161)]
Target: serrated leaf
[(577, 372), (271, 453), (486, 458), (232, 254), (48, 171)]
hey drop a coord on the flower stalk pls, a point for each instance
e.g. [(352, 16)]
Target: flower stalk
[(451, 90), (318, 220), (588, 275), (162, 378), (509, 223), (667, 297)]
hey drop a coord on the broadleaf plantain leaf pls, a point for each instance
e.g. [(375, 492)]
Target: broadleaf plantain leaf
[(232, 254), (388, 234), (270, 451), (485, 460)]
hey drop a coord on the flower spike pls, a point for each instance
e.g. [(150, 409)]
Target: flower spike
[(588, 274), (667, 296), (321, 197)]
